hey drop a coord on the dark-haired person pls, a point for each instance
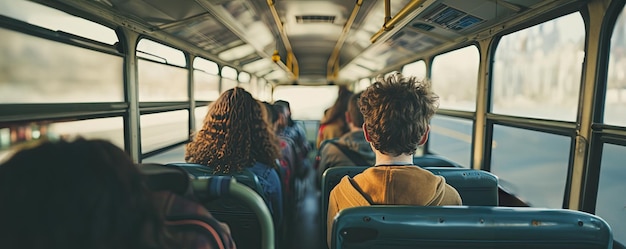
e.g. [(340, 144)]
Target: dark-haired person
[(397, 112), (333, 124), (88, 194), (349, 149), (290, 129), (236, 136)]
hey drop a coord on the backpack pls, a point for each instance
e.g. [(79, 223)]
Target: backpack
[(355, 157)]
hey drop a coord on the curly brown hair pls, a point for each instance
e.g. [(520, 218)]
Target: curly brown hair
[(235, 135), (396, 112)]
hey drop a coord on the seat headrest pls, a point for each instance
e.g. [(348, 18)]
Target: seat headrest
[(165, 178)]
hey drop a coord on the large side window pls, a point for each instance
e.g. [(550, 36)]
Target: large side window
[(537, 74), (454, 76), (452, 138), (454, 79), (610, 204), (537, 70), (206, 79), (532, 165), (161, 76), (416, 69), (59, 75), (229, 78), (615, 102)]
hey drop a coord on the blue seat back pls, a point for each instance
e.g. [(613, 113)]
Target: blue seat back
[(476, 187), (468, 227), (433, 161)]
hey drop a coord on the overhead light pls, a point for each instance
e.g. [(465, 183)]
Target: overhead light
[(237, 52)]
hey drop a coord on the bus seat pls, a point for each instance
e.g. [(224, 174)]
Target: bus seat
[(244, 223), (185, 219), (430, 160), (161, 178), (476, 187), (252, 227), (468, 227), (199, 171)]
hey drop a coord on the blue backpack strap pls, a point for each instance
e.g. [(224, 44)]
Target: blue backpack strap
[(218, 186)]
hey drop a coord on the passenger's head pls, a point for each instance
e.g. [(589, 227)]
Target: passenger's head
[(282, 119), (396, 112), (234, 135), (270, 114), (285, 104), (339, 108), (353, 114), (80, 194)]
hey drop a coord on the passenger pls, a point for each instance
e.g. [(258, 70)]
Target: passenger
[(294, 131), (291, 131), (235, 137), (287, 154), (396, 112), (88, 194), (333, 124), (351, 148)]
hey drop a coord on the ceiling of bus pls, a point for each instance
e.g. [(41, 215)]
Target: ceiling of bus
[(243, 33)]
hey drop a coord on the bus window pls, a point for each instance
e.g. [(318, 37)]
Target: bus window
[(56, 20), (451, 138), (615, 102), (611, 187), (537, 71), (111, 129), (161, 81), (162, 129), (417, 69), (531, 165), (264, 91), (244, 82), (200, 112), (229, 78), (206, 79), (454, 77), (36, 70), (299, 98)]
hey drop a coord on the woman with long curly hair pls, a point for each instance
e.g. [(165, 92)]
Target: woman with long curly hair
[(234, 137)]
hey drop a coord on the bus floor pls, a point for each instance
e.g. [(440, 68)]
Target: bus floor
[(305, 225)]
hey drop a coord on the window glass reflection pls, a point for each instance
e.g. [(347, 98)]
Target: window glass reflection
[(417, 69), (615, 103), (160, 130), (537, 71), (16, 135), (161, 82), (451, 138), (531, 165), (36, 70), (608, 205), (454, 77)]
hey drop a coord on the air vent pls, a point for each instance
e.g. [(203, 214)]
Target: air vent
[(315, 19)]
